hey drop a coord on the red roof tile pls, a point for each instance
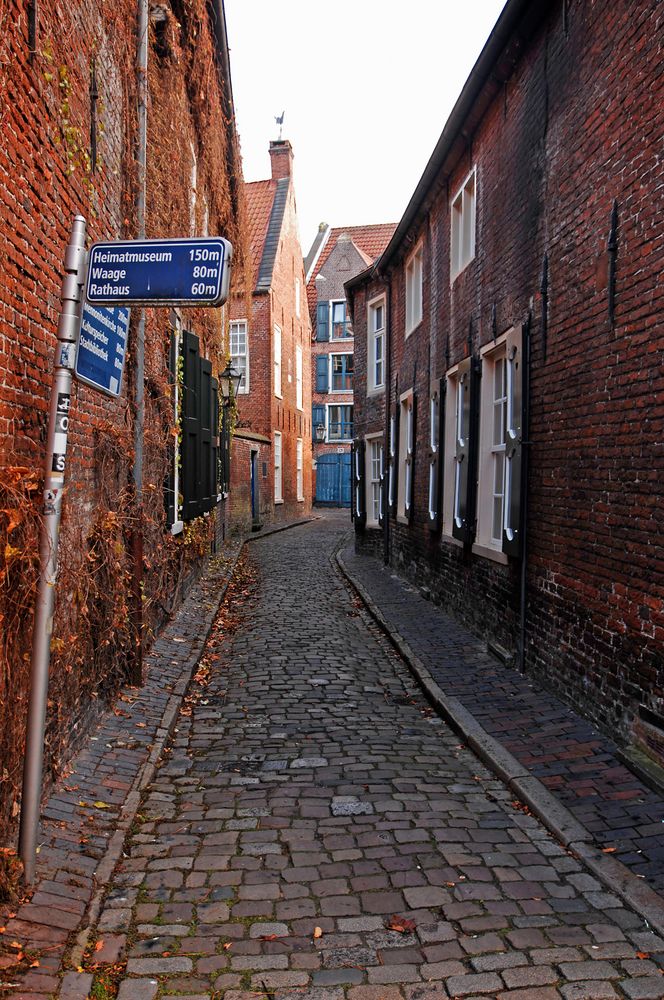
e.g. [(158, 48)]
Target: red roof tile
[(260, 196), (369, 240)]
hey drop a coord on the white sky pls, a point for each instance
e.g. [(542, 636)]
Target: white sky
[(367, 86)]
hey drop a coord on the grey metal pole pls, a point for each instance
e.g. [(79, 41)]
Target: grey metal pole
[(56, 456)]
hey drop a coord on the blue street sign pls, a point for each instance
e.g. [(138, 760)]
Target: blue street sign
[(160, 272), (102, 344)]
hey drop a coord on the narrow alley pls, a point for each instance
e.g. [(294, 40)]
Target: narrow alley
[(315, 831)]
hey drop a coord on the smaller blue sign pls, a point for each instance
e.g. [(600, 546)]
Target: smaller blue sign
[(187, 272), (102, 345)]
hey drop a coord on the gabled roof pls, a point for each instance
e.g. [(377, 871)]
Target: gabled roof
[(266, 203), (369, 241)]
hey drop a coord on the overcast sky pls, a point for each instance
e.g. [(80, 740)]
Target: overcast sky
[(366, 86)]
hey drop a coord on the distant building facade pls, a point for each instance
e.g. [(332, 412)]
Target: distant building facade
[(335, 256), (270, 343), (509, 455)]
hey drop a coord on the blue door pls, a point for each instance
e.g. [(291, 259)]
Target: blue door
[(333, 479)]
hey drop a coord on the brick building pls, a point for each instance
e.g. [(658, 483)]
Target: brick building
[(335, 256), (509, 451), (69, 93), (271, 346)]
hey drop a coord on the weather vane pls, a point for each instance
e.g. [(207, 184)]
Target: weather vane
[(279, 119)]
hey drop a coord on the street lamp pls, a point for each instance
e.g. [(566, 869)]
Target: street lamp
[(320, 433), (229, 383)]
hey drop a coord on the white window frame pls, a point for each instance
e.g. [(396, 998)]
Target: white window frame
[(339, 354), (278, 468), (414, 275), (331, 440), (406, 448), (491, 453), (339, 340), (235, 330), (376, 336), (298, 377), (463, 221), (374, 471), (277, 361), (299, 470)]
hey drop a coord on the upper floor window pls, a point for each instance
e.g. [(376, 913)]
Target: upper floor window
[(240, 352), (340, 423), (414, 290), (376, 344), (462, 239), (277, 361), (342, 373), (341, 326)]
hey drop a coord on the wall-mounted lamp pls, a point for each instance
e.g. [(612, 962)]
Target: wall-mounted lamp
[(320, 433), (229, 383)]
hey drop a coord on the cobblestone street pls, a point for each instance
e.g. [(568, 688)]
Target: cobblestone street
[(317, 832)]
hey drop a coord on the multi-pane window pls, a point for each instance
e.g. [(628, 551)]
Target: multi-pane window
[(339, 423), (499, 412), (376, 346), (342, 372), (341, 326), (461, 442), (462, 240), (278, 471), (414, 290), (374, 480), (277, 360), (240, 352), (298, 469), (298, 378)]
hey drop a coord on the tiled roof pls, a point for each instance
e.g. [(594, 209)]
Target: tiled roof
[(266, 201), (369, 240)]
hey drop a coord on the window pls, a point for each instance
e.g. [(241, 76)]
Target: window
[(458, 480), (462, 240), (240, 352), (374, 481), (277, 361), (414, 290), (298, 378), (376, 345), (342, 373), (339, 423), (406, 457), (341, 327), (298, 469), (278, 478), (499, 445), (297, 298)]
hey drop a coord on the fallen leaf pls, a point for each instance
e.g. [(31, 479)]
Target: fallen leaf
[(33, 965), (228, 944), (318, 932), (101, 805), (268, 937), (643, 954), (608, 850), (99, 945), (400, 924)]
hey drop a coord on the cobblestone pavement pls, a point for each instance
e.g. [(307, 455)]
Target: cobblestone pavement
[(569, 756), (316, 832)]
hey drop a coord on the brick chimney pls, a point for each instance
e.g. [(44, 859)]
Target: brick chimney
[(281, 155)]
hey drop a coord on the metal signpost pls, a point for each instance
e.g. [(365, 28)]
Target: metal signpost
[(91, 343)]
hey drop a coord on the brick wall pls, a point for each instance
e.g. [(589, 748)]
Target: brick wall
[(575, 126)]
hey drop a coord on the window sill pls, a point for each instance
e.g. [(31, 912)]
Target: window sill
[(453, 277), (300, 499), (407, 333), (378, 390), (278, 501), (451, 540), (486, 552)]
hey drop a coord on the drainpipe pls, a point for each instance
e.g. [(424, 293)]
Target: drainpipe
[(525, 446), (139, 359), (386, 453)]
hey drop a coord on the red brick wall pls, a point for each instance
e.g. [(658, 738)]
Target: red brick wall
[(577, 124)]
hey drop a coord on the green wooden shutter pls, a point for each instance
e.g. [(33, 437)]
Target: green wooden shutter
[(516, 379), (170, 500), (213, 466), (191, 449), (206, 500), (323, 321), (322, 377)]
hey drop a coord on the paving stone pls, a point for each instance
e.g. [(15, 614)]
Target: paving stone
[(138, 989), (158, 966), (465, 986)]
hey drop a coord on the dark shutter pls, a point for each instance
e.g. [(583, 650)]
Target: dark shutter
[(393, 462), (323, 321), (214, 442), (322, 378), (317, 417), (410, 441), (225, 451), (358, 477), (516, 375), (191, 449), (206, 499), (170, 499), (436, 444), (383, 483), (465, 435)]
